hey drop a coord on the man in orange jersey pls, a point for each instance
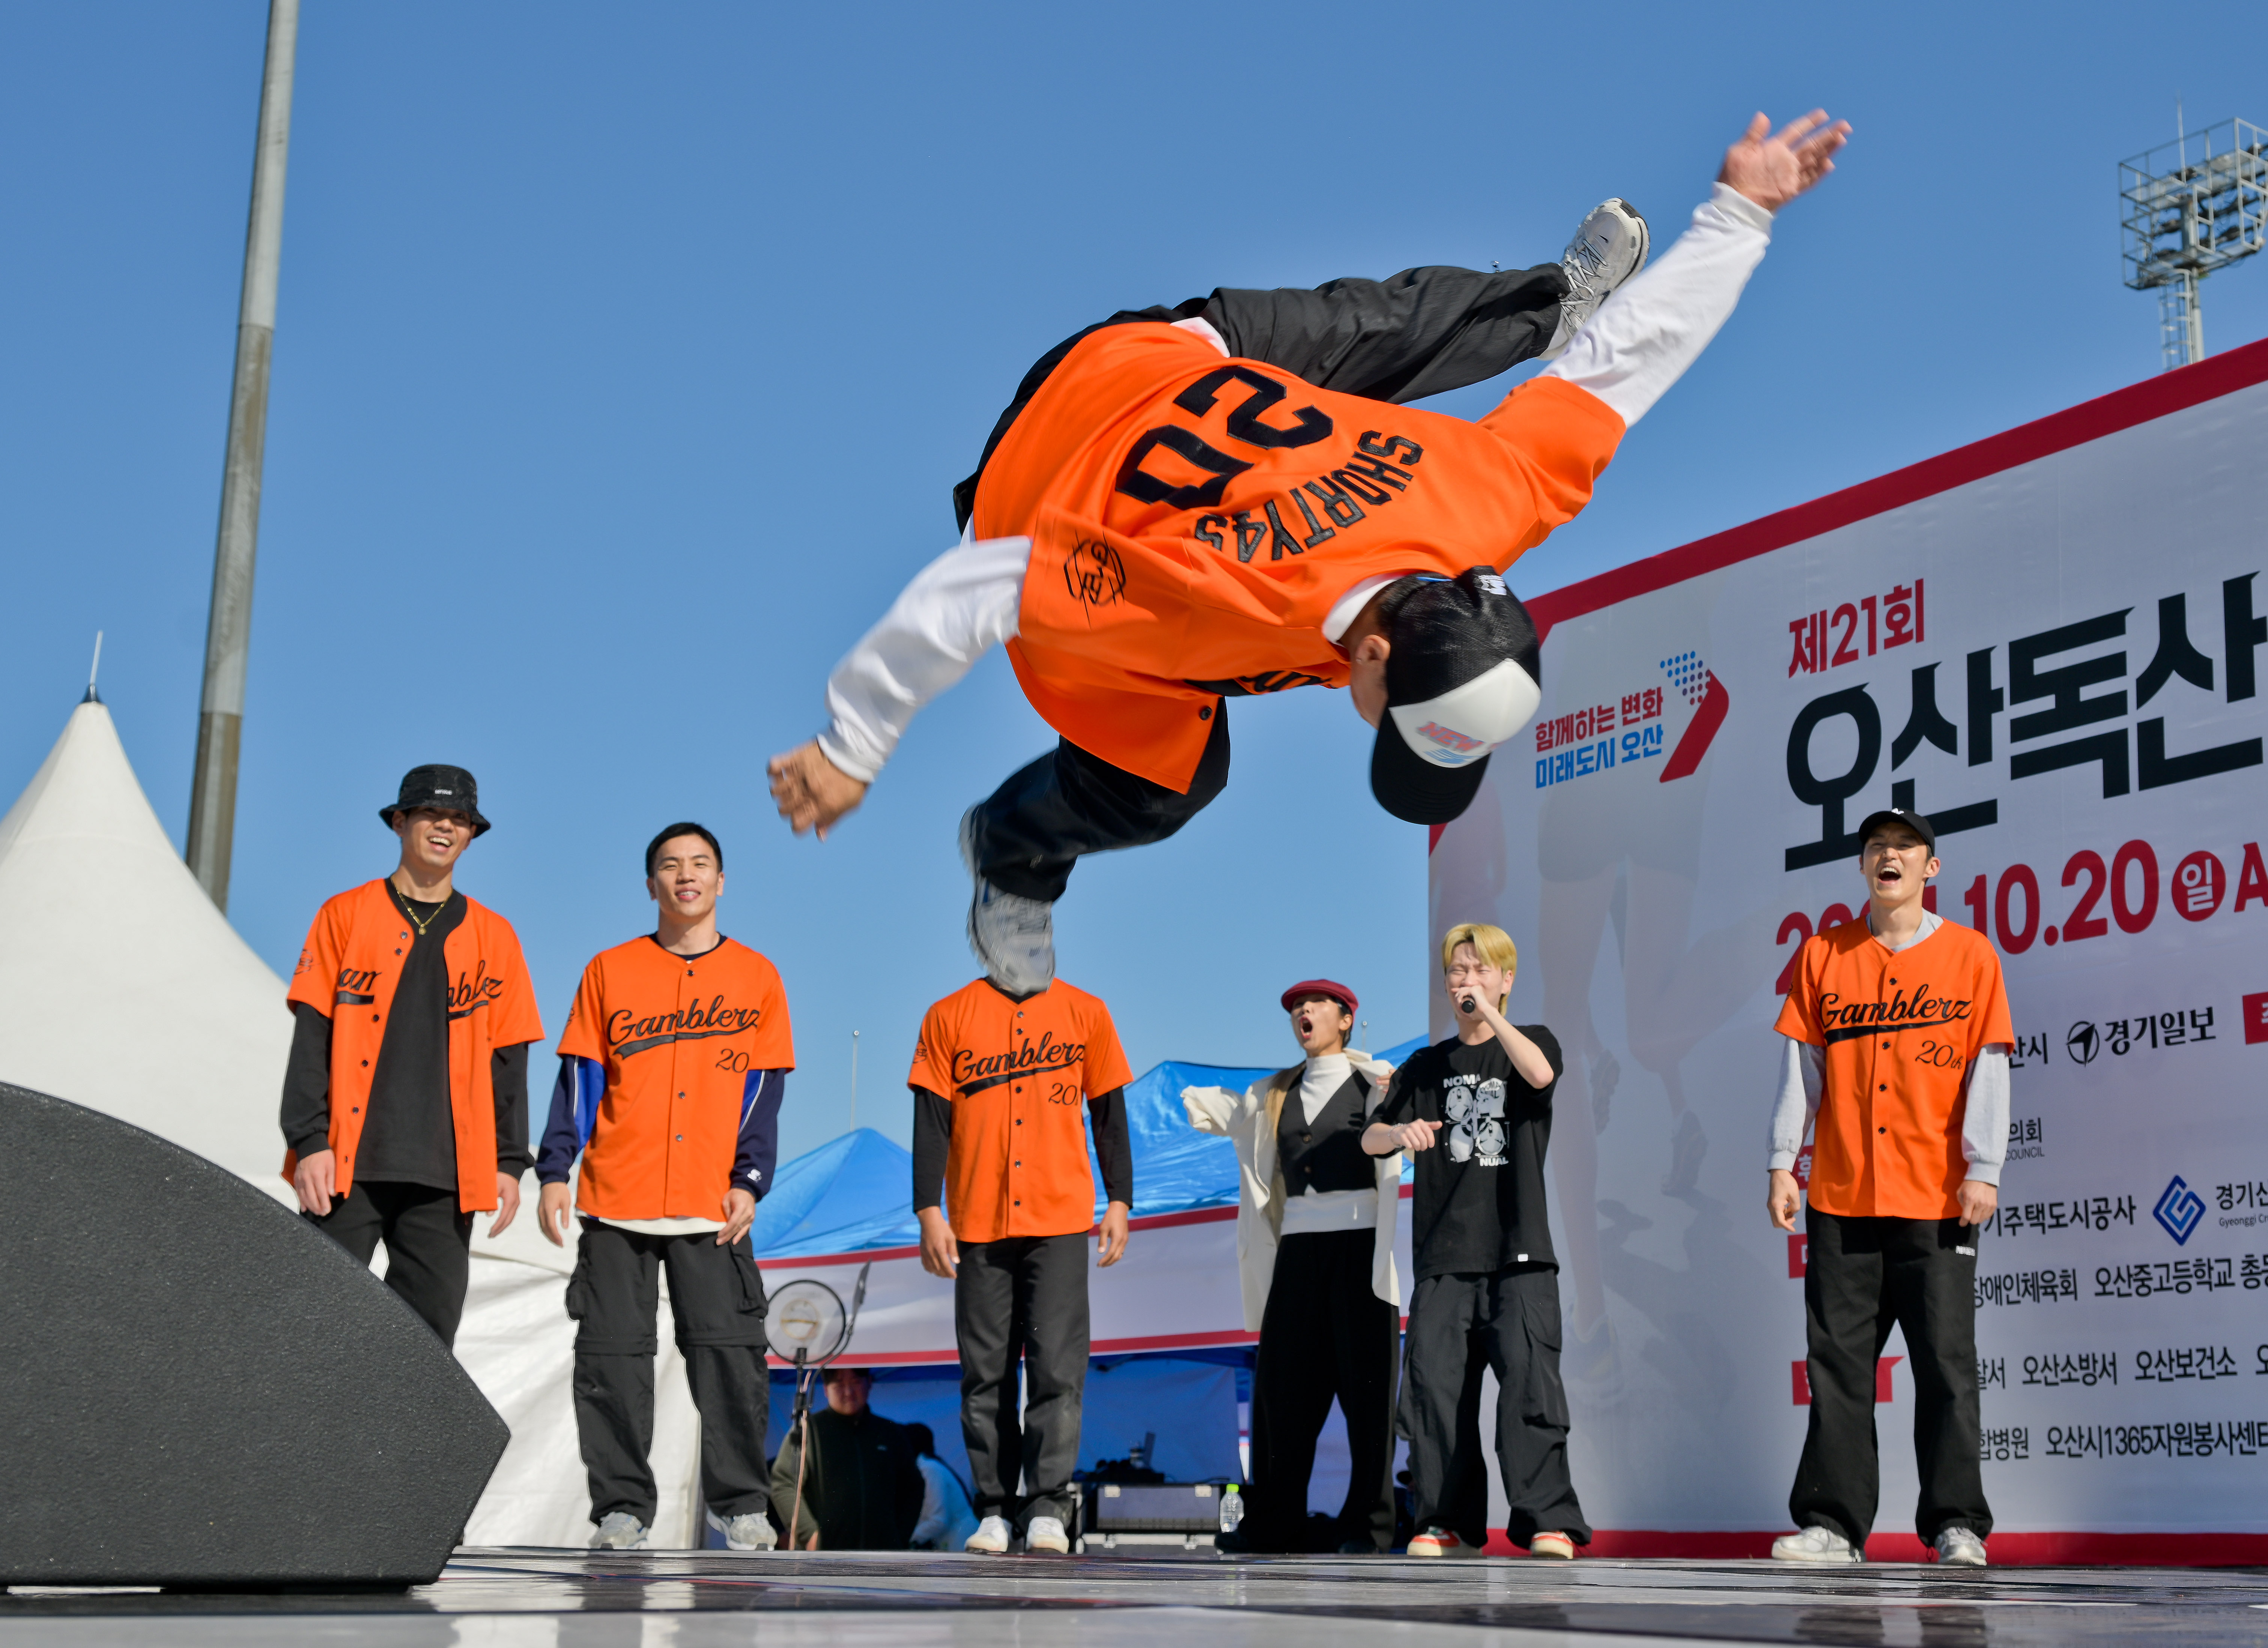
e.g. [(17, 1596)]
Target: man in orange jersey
[(405, 1097), (671, 1075), (1188, 504), (997, 1082), (1898, 1048)]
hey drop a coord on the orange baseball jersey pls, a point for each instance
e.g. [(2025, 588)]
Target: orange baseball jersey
[(349, 970), (1900, 1030), (677, 1039), (1193, 520), (1016, 1074)]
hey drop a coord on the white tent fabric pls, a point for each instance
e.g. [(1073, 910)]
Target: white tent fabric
[(123, 989)]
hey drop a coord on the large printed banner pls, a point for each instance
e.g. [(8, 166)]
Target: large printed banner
[(2054, 643)]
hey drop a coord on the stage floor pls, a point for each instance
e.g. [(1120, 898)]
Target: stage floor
[(522, 1598)]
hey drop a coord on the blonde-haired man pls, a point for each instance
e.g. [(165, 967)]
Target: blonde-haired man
[(1314, 1251), (1488, 1281)]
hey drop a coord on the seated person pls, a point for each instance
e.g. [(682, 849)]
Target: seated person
[(861, 1489), (948, 1518)]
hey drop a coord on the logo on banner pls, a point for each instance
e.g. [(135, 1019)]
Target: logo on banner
[(2179, 1210), (1698, 685), (2256, 1017), (1584, 741), (2083, 1043)]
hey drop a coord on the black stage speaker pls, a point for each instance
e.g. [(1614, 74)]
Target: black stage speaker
[(198, 1388)]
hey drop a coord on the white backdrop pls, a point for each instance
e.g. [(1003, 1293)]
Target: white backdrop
[(2080, 601)]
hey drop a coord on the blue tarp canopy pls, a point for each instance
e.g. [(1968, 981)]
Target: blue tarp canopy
[(852, 1194), (856, 1192)]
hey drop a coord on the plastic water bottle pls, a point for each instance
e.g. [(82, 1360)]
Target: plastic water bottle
[(1232, 1509)]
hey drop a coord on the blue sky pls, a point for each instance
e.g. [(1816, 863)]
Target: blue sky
[(626, 357)]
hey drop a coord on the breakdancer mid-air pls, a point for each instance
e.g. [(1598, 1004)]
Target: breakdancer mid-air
[(1183, 506)]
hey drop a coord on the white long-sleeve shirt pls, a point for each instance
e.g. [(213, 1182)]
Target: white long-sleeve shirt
[(1641, 340), (1984, 1085)]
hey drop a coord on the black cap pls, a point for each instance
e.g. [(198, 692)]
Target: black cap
[(444, 789), (1464, 676), (1913, 821)]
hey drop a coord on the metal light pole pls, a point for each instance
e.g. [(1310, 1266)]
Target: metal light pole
[(2188, 208), (854, 1081), (228, 630)]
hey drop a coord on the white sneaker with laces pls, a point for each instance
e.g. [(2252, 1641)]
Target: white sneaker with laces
[(1609, 247), (1014, 936), (619, 1531), (1814, 1544), (991, 1536), (1047, 1534), (1962, 1548), (750, 1531)]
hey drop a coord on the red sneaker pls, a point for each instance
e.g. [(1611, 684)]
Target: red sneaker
[(1556, 1545), (1440, 1542)]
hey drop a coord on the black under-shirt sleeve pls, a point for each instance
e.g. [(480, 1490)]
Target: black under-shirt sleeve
[(1547, 1044), (932, 1139), (508, 1074), (1112, 1147), (306, 1109)]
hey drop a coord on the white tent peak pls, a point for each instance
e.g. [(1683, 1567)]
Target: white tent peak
[(87, 788), (122, 987)]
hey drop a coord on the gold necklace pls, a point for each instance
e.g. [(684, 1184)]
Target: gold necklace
[(402, 899)]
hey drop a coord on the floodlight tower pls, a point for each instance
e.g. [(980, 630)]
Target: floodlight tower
[(2187, 207)]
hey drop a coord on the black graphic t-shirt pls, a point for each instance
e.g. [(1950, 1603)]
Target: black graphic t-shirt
[(1479, 1205)]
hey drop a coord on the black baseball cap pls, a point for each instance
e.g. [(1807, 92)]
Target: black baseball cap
[(1464, 676), (1889, 816), (444, 789)]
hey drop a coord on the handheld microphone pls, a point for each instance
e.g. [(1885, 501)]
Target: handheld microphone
[(1467, 1004)]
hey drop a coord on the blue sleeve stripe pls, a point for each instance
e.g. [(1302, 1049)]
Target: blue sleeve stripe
[(757, 1151), (573, 1114)]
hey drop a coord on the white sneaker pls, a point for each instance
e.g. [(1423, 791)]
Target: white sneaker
[(619, 1531), (991, 1536), (750, 1531), (1609, 247), (1962, 1548), (1814, 1544), (1047, 1534), (1014, 936)]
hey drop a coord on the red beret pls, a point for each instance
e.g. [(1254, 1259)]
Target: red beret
[(1337, 992)]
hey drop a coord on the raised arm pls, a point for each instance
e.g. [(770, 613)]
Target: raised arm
[(957, 608), (1657, 323)]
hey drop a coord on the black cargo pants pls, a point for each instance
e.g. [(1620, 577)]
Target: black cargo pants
[(1862, 1275), (717, 1298), (1508, 1321), (1023, 1299)]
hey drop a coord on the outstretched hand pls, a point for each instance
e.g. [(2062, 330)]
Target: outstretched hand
[(811, 792), (1772, 168)]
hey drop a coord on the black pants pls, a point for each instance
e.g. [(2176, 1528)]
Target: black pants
[(1417, 333), (428, 1244), (1324, 1336), (718, 1297), (1023, 1296), (1862, 1275), (1508, 1321)]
